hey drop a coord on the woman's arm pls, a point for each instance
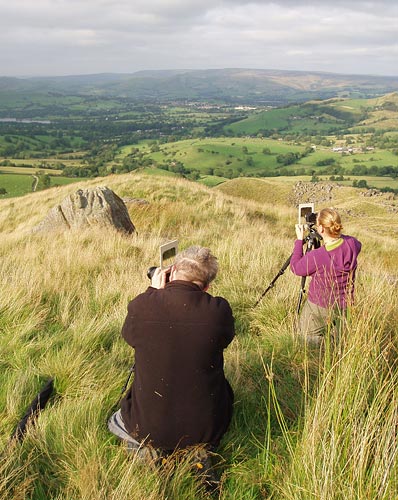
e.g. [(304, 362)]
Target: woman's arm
[(304, 265)]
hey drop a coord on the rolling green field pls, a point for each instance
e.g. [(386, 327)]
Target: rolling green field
[(323, 117), (28, 170), (222, 157), (348, 161), (293, 119), (219, 154), (21, 184), (372, 182), (274, 119), (16, 184)]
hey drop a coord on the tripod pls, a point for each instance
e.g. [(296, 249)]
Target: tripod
[(312, 240)]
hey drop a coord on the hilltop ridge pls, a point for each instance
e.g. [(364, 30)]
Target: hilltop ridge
[(239, 85)]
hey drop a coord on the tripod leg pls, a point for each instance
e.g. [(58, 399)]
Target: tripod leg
[(302, 293), (281, 271)]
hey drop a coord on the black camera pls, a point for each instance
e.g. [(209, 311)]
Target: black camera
[(306, 214), (151, 271), (310, 218)]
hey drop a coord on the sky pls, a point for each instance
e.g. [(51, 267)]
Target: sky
[(73, 37)]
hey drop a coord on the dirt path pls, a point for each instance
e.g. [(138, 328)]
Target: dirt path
[(35, 182)]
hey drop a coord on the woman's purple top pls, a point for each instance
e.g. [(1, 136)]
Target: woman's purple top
[(332, 269)]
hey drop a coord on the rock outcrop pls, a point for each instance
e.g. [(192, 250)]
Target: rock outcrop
[(308, 192), (98, 206)]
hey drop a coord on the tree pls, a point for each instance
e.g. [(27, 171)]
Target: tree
[(287, 159), (44, 181), (362, 184), (325, 161)]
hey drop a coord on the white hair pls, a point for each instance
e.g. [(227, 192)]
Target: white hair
[(197, 264)]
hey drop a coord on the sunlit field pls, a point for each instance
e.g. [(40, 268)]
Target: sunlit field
[(306, 424)]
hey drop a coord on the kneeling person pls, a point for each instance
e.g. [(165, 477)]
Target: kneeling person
[(180, 396)]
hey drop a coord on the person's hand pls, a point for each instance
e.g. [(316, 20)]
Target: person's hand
[(159, 278), (299, 231)]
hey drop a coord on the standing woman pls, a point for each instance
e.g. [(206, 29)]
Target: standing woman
[(332, 269)]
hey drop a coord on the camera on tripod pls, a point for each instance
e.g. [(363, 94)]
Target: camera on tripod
[(167, 252), (307, 217)]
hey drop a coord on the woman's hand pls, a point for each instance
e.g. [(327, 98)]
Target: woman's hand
[(299, 231)]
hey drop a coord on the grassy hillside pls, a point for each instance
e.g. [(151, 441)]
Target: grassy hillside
[(304, 426), (217, 154), (324, 117)]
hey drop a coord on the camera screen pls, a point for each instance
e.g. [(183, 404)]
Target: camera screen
[(305, 209), (168, 251)]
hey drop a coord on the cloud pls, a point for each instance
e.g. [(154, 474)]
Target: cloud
[(71, 36)]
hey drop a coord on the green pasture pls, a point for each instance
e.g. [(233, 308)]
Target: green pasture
[(245, 156), (15, 101), (352, 105), (158, 172), (238, 154), (15, 184), (318, 117), (312, 125), (212, 180), (298, 119), (190, 113), (75, 140), (51, 164), (274, 119), (28, 170), (21, 184), (372, 181), (379, 158)]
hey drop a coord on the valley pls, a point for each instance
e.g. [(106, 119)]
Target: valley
[(66, 129)]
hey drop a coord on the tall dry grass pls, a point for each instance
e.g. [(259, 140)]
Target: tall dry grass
[(304, 426), (348, 445)]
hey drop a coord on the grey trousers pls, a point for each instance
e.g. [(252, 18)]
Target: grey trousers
[(142, 451), (315, 322), (117, 427)]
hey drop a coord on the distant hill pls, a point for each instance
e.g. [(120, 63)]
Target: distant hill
[(324, 117), (249, 86)]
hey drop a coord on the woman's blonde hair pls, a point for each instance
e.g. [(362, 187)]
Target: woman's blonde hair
[(197, 264), (330, 219)]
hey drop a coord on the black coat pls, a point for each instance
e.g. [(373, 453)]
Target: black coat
[(179, 396)]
